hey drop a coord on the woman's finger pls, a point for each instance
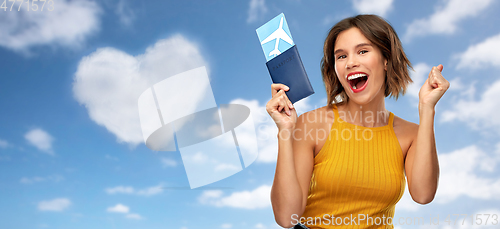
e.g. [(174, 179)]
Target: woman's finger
[(288, 102), (440, 67), (286, 105), (279, 104), (275, 87)]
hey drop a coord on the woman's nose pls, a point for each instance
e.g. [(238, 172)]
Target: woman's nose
[(351, 63)]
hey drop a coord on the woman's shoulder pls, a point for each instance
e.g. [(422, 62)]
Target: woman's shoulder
[(320, 115), (408, 128), (404, 123)]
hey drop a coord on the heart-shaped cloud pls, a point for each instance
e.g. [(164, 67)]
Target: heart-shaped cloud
[(108, 82)]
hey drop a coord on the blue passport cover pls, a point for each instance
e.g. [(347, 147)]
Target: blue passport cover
[(287, 68)]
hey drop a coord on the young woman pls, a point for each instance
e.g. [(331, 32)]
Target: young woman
[(344, 165)]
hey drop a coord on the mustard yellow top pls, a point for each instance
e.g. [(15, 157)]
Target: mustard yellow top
[(358, 177)]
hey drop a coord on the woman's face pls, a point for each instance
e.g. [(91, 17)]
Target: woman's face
[(360, 66)]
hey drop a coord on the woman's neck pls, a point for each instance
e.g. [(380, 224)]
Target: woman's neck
[(372, 114)]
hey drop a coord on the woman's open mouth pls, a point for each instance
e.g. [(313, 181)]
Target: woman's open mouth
[(358, 81)]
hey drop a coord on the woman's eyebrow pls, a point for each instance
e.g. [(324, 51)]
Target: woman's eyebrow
[(357, 46), (363, 44)]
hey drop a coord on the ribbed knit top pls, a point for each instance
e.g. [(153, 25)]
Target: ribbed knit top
[(358, 174)]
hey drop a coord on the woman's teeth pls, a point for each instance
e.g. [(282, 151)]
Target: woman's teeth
[(356, 76)]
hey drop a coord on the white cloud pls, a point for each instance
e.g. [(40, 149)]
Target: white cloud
[(459, 175), (445, 18), (124, 13), (123, 209), (255, 199), (257, 10), (260, 226), (53, 178), (133, 216), (59, 204), (419, 76), (226, 226), (466, 91), (4, 144), (302, 105), (209, 195), (150, 191), (478, 114), (119, 208), (69, 24), (109, 82), (167, 162), (225, 166), (457, 83), (41, 140), (481, 55), (120, 189), (379, 7), (199, 157)]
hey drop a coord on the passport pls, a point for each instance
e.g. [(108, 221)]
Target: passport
[(283, 60), (287, 69)]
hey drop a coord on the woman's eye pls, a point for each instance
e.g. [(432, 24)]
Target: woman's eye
[(340, 57), (363, 51)]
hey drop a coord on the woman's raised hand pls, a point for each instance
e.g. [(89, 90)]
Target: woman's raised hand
[(433, 89), (280, 108)]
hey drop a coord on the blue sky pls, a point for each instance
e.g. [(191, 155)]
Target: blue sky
[(71, 150)]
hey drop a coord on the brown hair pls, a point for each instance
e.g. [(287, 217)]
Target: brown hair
[(381, 34)]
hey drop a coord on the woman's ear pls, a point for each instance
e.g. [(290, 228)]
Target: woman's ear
[(385, 64)]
